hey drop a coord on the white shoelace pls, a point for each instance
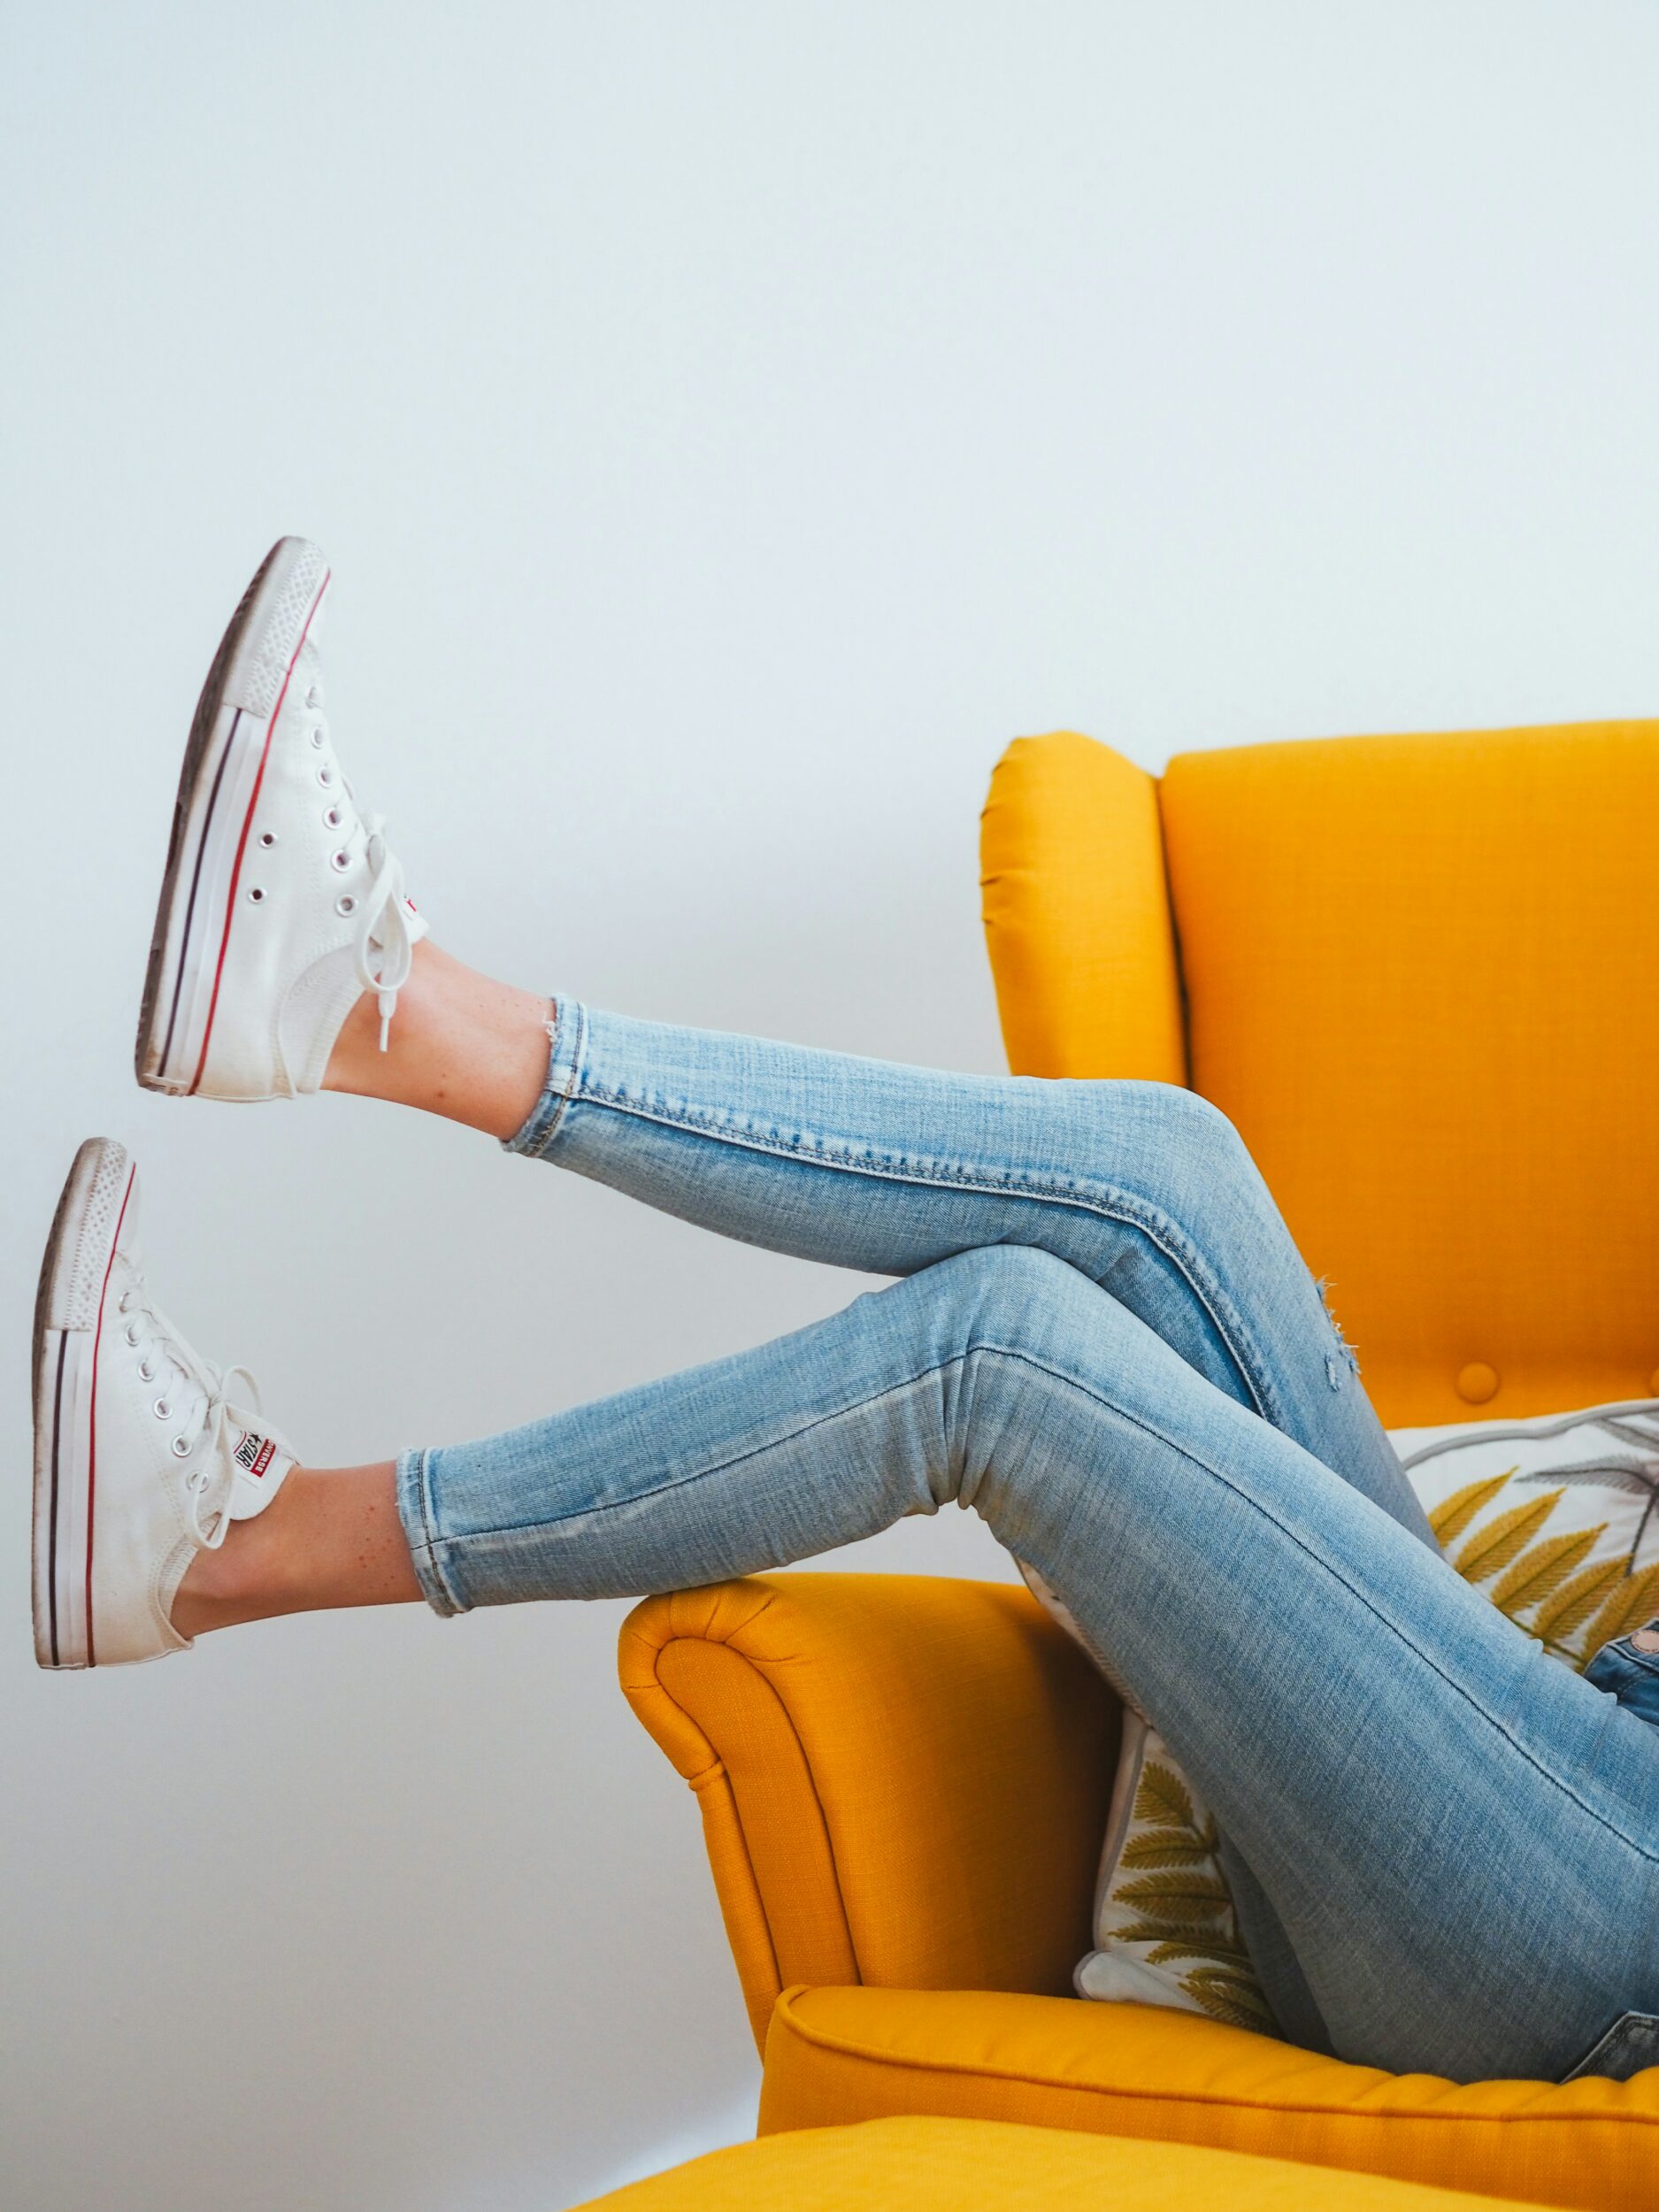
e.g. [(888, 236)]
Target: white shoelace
[(385, 926), (210, 1485), (220, 1417)]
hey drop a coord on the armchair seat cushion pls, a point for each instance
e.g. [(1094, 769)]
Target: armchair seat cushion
[(927, 2165), (857, 2054)]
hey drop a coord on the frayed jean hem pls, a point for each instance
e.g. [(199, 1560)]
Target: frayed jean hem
[(567, 1050)]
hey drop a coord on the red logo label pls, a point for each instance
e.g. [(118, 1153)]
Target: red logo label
[(255, 1454)]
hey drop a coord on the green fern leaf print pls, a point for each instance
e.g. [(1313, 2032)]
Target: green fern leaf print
[(1221, 1948), (1635, 1600), (1161, 1932), (1490, 1549), (1452, 1516), (1187, 1900), (1540, 1570), (1163, 1798), (1162, 1847), (1224, 1996), (1574, 1602)]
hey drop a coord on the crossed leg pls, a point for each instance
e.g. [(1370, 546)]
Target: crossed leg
[(1102, 1339), (1105, 1345), (1145, 1189)]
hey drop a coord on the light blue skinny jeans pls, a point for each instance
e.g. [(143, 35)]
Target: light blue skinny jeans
[(1445, 1846)]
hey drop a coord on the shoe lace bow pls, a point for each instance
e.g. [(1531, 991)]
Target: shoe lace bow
[(385, 928), (210, 1486)]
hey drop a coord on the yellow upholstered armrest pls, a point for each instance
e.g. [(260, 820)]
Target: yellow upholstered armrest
[(903, 1779), (1077, 914)]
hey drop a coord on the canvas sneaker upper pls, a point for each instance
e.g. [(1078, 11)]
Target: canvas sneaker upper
[(145, 1452), (283, 902), (324, 916)]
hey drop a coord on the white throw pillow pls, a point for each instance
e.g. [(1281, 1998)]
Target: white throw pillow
[(1555, 1520)]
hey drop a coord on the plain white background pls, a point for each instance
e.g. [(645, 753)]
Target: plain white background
[(729, 424)]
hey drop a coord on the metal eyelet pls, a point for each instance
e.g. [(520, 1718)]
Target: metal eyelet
[(268, 838), (181, 1449), (314, 697), (332, 818), (325, 777), (339, 862), (123, 1304), (131, 1334), (318, 734), (346, 905), (146, 1372), (162, 1411), (255, 894)]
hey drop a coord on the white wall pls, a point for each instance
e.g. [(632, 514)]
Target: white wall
[(729, 423)]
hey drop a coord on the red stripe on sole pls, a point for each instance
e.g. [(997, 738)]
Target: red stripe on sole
[(241, 842)]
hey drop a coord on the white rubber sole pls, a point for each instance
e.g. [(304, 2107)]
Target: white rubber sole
[(219, 789), (68, 1333)]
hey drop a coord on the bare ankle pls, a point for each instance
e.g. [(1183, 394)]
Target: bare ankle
[(460, 1044), (239, 1579), (351, 1069), (330, 1537)]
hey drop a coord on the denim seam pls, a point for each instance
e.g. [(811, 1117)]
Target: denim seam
[(1181, 1452), (1161, 1232), (719, 1466), (1219, 1475)]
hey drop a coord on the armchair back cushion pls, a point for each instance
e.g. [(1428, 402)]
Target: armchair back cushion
[(1421, 975)]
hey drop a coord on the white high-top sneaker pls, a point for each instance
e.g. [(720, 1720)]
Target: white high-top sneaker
[(143, 1453), (281, 904)]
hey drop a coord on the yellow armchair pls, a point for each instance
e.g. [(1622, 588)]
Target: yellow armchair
[(902, 1778), (1419, 973)]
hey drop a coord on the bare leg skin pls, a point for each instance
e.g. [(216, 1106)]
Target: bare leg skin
[(331, 1536), (474, 1051), (461, 1045)]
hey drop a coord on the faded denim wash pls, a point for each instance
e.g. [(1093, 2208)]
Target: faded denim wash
[(1445, 1845)]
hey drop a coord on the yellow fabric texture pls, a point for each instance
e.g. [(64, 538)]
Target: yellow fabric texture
[(1077, 913), (903, 1783), (927, 2165), (1420, 975), (903, 1779), (841, 2055)]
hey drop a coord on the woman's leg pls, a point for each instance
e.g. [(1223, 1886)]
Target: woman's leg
[(331, 1537), (1145, 1188), (1456, 1834)]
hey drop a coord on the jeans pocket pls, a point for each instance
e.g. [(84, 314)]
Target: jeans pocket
[(1628, 2044), (1629, 1673)]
